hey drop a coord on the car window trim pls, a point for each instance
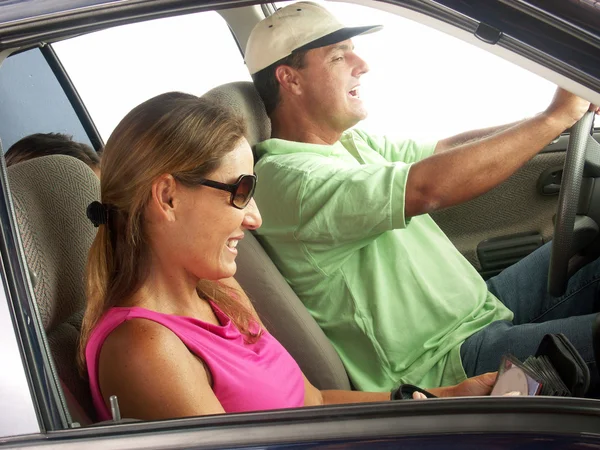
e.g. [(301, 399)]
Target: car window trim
[(465, 15), (72, 96), (371, 422), (44, 386)]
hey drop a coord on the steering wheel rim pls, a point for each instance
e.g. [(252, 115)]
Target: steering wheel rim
[(568, 199)]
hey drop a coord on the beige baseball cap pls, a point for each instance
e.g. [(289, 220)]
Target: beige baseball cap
[(299, 26)]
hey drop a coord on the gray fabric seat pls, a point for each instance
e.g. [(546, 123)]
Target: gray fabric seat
[(281, 310), (50, 197)]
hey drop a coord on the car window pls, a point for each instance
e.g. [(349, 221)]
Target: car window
[(425, 84), (33, 101), (116, 69)]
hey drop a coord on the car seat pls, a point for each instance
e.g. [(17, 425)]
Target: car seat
[(280, 309), (50, 196)]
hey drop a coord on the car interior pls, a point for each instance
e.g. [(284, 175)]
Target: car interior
[(50, 196)]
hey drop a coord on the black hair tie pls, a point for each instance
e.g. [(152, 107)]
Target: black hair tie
[(97, 213)]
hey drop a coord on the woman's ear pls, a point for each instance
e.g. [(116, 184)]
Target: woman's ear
[(162, 202)]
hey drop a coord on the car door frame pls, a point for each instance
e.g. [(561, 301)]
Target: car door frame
[(445, 421)]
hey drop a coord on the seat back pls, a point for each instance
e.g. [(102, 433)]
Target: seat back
[(50, 197), (244, 99), (281, 310)]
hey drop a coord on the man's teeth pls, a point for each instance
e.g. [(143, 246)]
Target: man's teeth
[(232, 243)]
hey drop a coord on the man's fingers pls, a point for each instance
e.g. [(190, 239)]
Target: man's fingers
[(419, 396), (488, 378), (512, 394)]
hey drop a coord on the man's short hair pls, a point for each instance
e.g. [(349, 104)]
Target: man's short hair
[(266, 82), (45, 144)]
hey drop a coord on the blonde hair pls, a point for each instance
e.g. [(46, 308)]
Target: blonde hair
[(174, 133)]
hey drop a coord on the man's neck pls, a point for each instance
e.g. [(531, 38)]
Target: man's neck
[(300, 129)]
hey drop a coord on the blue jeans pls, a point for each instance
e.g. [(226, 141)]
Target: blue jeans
[(522, 288)]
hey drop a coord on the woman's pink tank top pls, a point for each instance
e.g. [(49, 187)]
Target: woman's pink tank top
[(246, 377)]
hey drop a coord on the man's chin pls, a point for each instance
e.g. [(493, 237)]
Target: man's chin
[(355, 119)]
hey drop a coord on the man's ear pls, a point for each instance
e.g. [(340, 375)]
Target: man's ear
[(288, 79), (163, 199)]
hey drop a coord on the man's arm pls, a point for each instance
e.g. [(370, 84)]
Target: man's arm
[(470, 136), (469, 170), (475, 386)]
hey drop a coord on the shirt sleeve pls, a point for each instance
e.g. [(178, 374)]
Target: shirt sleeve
[(336, 201), (394, 150)]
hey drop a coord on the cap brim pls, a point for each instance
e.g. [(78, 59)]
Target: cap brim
[(339, 36)]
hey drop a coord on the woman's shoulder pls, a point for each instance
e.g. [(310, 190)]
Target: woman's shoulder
[(140, 335), (144, 359), (138, 344)]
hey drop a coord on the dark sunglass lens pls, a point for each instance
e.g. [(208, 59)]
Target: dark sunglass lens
[(245, 191)]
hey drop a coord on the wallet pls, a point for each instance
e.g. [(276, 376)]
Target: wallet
[(568, 363), (557, 369)]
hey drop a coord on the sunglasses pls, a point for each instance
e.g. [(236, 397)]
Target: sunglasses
[(241, 191)]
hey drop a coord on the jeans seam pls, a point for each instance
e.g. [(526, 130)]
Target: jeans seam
[(565, 298), (477, 352)]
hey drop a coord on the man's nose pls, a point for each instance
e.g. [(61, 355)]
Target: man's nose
[(252, 218), (360, 66)]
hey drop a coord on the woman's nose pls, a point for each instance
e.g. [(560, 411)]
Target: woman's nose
[(252, 218)]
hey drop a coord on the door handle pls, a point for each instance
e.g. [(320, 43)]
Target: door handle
[(549, 181), (551, 189)]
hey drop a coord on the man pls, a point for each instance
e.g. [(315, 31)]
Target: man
[(345, 218)]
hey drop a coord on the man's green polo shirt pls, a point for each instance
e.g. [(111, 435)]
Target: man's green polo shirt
[(394, 295)]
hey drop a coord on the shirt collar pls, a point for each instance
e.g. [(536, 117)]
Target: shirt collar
[(282, 147)]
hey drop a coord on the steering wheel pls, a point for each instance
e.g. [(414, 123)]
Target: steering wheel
[(568, 200)]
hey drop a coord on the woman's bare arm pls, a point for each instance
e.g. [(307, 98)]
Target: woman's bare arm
[(153, 374)]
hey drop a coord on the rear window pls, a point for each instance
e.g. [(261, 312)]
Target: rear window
[(114, 70), (33, 101)]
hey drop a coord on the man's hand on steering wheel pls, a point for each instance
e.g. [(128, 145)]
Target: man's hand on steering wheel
[(568, 108)]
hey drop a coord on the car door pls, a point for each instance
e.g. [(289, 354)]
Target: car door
[(34, 414), (512, 220)]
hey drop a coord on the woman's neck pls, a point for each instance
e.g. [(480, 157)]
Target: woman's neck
[(172, 291)]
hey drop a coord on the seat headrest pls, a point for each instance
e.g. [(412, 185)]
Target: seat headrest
[(50, 196), (243, 97)]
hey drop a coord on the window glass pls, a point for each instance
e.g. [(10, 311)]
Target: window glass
[(426, 84), (114, 70), (32, 101)]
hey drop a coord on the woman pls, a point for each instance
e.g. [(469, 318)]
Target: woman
[(167, 329)]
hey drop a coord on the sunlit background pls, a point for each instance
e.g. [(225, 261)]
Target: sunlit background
[(422, 84)]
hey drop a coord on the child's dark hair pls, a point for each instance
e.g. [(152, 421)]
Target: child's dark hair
[(45, 144)]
